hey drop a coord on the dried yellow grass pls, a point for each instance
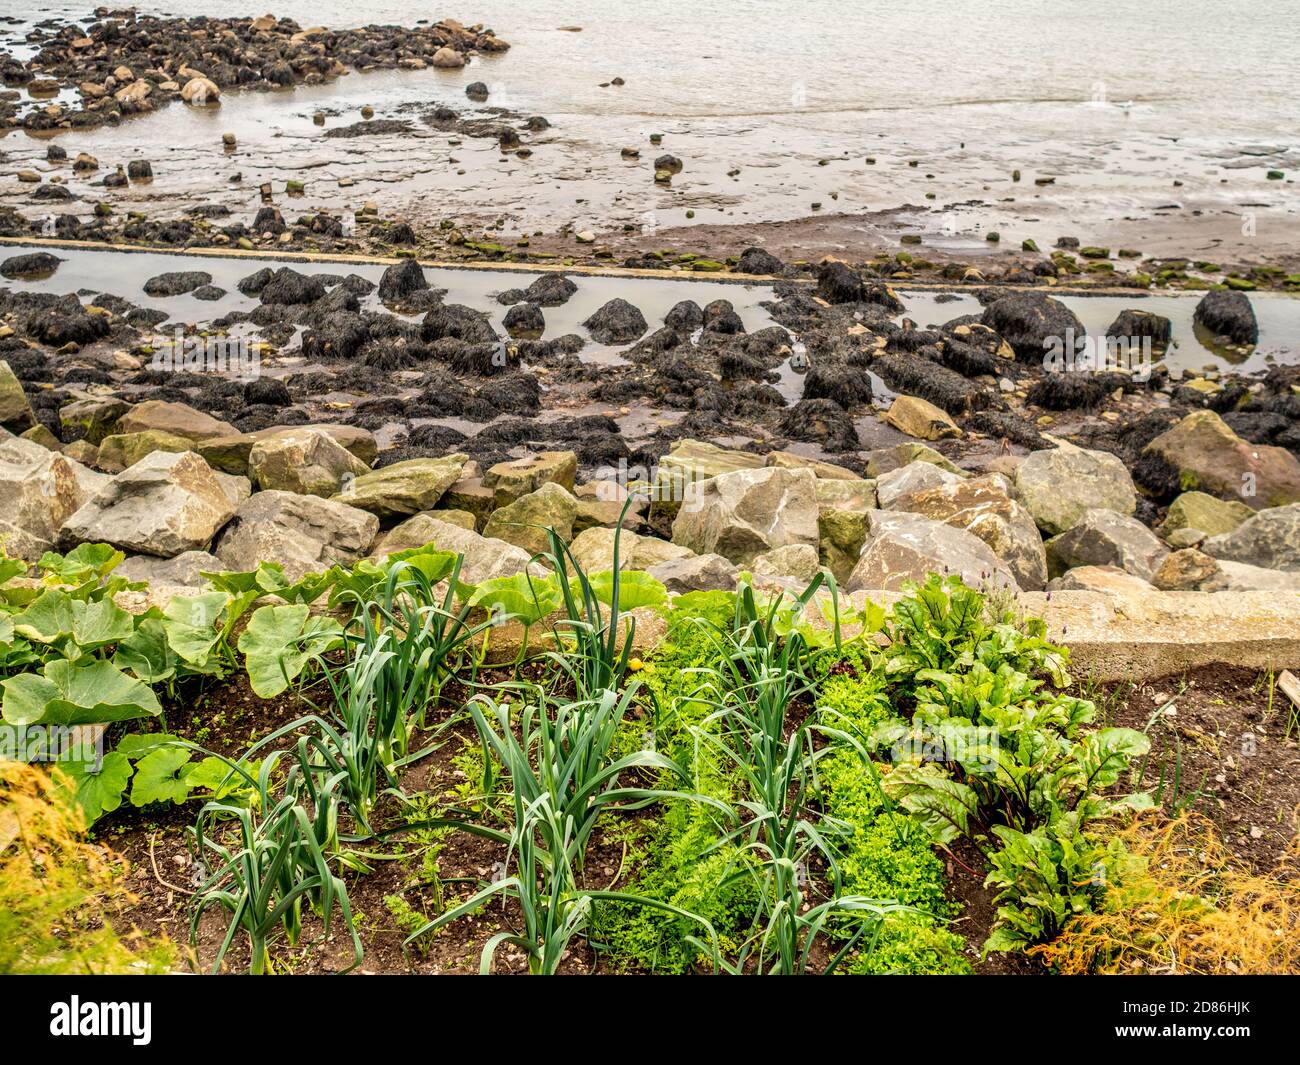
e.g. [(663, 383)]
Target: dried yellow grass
[(1186, 906), (59, 892)]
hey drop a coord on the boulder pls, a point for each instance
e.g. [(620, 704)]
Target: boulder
[(525, 521), (471, 495), (984, 507), (230, 453), (689, 462), (840, 536), (1105, 538), (510, 480), (485, 557), (798, 561), (1270, 539), (1197, 510), (1059, 485), (184, 571), (696, 573), (893, 489), (1030, 322), (1110, 580), (121, 450), (617, 322), (1210, 457), (746, 512), (921, 419), (903, 547), (448, 58), (303, 533), (15, 408), (166, 504), (1241, 577), (39, 490), (306, 460), (92, 418), (178, 419), (201, 91), (854, 495), (594, 550), (893, 458), (827, 471), (403, 488), (1228, 314), (1185, 571)]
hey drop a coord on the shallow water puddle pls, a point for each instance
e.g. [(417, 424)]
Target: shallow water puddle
[(122, 273)]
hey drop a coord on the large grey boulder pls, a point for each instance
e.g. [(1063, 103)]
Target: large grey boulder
[(1060, 485), (593, 549), (307, 461), (1105, 538), (404, 488), (984, 506), (902, 547), (1271, 539), (686, 464), (166, 504), (39, 490), (741, 514), (184, 571), (304, 534), (485, 557), (894, 487), (696, 573)]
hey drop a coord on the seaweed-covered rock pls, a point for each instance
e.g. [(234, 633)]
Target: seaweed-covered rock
[(1228, 314), (617, 322), (401, 280), (822, 421), (177, 283), (524, 319), (1031, 323), (550, 290), (759, 261), (33, 266)]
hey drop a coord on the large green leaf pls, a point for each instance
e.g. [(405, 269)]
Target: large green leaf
[(97, 788), (635, 589), (81, 563), (190, 622), (48, 618), (279, 641), (146, 652), (99, 623), (525, 598), (68, 694), (160, 777)]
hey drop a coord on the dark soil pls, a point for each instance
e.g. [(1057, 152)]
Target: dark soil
[(1228, 751)]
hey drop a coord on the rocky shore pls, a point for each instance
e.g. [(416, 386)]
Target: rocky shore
[(129, 64), (393, 423)]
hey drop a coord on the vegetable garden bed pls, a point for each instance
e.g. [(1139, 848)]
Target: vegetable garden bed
[(339, 774)]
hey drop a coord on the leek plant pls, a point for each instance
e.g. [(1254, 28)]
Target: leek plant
[(277, 861), (562, 777), (600, 652), (759, 681)]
